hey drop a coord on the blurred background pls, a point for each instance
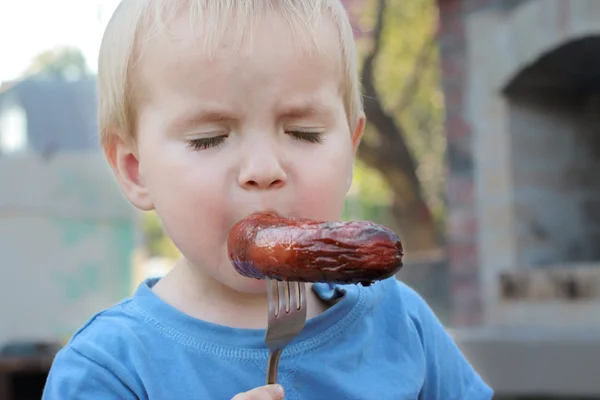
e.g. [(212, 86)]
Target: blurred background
[(482, 151)]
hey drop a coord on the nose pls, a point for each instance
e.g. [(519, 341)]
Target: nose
[(261, 168)]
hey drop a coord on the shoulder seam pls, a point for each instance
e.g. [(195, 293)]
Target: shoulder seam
[(94, 318), (99, 365)]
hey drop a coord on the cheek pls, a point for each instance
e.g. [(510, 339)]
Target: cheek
[(186, 197), (324, 182)]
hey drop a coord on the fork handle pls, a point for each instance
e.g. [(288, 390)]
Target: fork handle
[(272, 367)]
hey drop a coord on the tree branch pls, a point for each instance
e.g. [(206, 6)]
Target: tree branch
[(392, 152), (369, 153), (368, 66), (421, 63)]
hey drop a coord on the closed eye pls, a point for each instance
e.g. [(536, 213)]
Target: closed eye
[(311, 137), (206, 143)]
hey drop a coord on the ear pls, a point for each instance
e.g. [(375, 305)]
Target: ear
[(356, 138), (358, 132), (126, 167)]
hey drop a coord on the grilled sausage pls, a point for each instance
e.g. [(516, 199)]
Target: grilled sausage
[(266, 245)]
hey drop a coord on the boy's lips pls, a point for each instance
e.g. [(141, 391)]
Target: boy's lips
[(268, 210), (262, 210)]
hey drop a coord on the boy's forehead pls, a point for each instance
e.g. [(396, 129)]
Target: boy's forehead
[(186, 45), (241, 31)]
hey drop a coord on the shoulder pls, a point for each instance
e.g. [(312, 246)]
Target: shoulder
[(98, 357), (387, 297), (449, 375), (111, 328), (401, 299), (396, 301)]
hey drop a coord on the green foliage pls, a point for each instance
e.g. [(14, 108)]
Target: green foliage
[(158, 244), (369, 197), (369, 186), (409, 28), (60, 62)]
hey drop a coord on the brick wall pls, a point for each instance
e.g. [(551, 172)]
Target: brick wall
[(547, 148), (462, 221), (462, 229)]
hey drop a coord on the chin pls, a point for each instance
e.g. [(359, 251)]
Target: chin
[(245, 285)]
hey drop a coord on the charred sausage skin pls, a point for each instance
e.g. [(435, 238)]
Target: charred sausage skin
[(266, 245)]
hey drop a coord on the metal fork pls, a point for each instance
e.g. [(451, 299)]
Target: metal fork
[(287, 315)]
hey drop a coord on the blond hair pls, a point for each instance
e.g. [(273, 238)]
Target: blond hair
[(134, 22)]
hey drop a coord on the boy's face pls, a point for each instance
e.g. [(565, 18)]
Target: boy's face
[(221, 138)]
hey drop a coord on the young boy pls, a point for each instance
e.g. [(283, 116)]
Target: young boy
[(211, 110)]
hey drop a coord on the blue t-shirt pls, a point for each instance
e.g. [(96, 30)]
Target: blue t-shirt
[(380, 342)]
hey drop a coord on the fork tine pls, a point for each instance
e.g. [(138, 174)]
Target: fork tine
[(294, 296), (283, 293), (287, 296), (297, 295), (272, 293), (302, 295)]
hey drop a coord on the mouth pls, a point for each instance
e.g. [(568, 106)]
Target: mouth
[(261, 211), (268, 211)]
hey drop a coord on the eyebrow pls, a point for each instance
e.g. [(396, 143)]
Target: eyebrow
[(187, 120), (306, 110), (190, 119)]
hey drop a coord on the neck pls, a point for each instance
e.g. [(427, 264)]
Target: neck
[(197, 294)]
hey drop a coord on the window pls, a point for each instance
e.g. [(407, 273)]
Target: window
[(13, 130)]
